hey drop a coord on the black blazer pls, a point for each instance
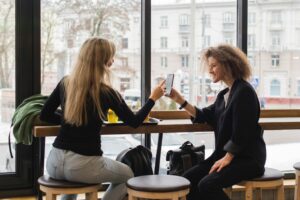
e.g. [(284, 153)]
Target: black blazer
[(235, 126)]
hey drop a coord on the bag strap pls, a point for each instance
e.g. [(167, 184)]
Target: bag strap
[(187, 161)]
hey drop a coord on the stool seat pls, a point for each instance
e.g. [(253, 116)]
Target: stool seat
[(297, 166), (158, 183), (269, 175), (50, 182)]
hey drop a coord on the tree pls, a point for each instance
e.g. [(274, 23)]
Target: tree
[(6, 42)]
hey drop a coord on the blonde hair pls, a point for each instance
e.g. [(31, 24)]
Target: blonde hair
[(89, 77), (233, 60)]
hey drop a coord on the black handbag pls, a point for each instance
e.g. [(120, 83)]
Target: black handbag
[(184, 158), (139, 159)]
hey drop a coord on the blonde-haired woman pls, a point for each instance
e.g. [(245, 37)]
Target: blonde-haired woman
[(85, 97), (240, 151)]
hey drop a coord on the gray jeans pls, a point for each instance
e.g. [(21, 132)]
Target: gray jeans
[(67, 165)]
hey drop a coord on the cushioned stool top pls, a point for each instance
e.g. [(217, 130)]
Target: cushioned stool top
[(49, 182), (297, 165), (158, 183), (269, 175)]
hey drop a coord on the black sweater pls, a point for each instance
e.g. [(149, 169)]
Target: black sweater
[(236, 125), (86, 139)]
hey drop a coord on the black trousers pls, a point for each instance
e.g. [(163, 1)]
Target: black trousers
[(206, 186)]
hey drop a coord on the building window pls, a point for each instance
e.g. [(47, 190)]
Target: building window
[(164, 22), (275, 36), (228, 17), (185, 41), (124, 84), (164, 61), (251, 59), (124, 62), (275, 59), (228, 38), (125, 43), (206, 41), (163, 42), (275, 88), (251, 41), (251, 18), (184, 19), (298, 87), (276, 17), (206, 20), (184, 60)]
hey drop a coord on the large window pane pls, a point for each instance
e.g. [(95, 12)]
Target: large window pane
[(66, 24), (7, 80), (274, 53), (192, 26)]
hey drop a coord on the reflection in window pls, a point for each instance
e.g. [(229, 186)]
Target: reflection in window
[(228, 17), (276, 17), (125, 43), (275, 59), (275, 88), (184, 41), (276, 40), (163, 42), (251, 18), (164, 61), (184, 60), (298, 87), (164, 22)]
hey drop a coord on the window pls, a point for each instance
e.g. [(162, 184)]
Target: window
[(228, 38), (164, 61), (251, 18), (298, 87), (206, 41), (184, 19), (184, 61), (164, 22), (228, 17), (276, 17), (275, 88), (184, 41), (251, 41), (163, 42), (251, 59), (125, 43), (276, 40), (275, 59), (206, 20)]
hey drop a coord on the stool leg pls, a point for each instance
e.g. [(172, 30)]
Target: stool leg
[(248, 193), (259, 194), (280, 192), (297, 186), (91, 196), (50, 196), (228, 192)]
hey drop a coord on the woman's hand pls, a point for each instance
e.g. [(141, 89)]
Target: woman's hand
[(158, 91), (223, 162), (176, 96)]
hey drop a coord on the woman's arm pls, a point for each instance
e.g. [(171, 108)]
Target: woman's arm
[(119, 106), (48, 113)]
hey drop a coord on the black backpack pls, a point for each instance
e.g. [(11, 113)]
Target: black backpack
[(139, 159), (184, 158)]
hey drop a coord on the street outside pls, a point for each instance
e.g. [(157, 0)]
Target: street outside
[(283, 147)]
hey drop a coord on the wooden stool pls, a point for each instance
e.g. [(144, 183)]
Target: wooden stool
[(158, 187), (272, 178), (297, 185), (52, 188)]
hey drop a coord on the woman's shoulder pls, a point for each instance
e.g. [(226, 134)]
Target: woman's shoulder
[(243, 88)]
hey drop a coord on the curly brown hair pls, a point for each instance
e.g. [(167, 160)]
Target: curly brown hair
[(233, 60)]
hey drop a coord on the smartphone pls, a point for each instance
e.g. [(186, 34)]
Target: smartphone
[(169, 84)]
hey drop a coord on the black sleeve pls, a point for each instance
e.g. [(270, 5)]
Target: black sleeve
[(204, 115), (119, 106), (245, 121), (49, 113)]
